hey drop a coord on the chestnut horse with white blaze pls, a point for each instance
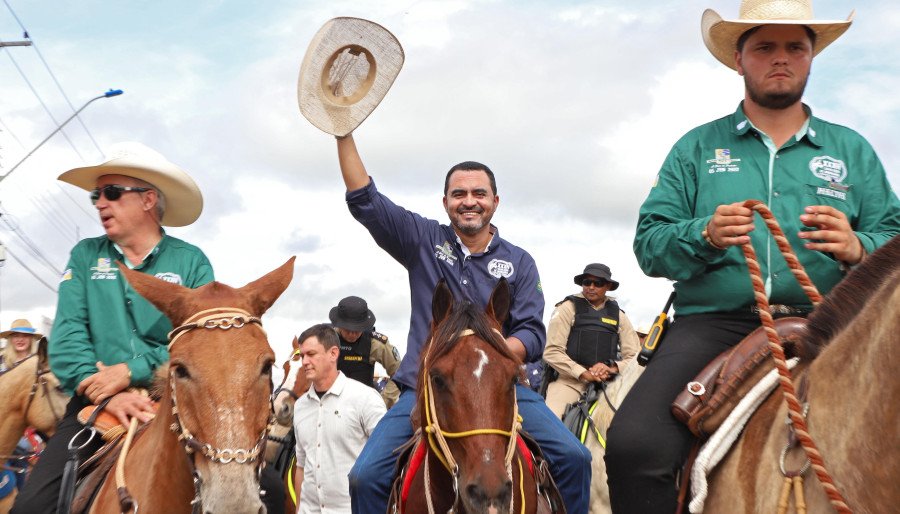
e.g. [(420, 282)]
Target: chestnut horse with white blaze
[(853, 393), (215, 409), (467, 414)]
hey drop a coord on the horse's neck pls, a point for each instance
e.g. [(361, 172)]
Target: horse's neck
[(15, 386), (156, 465)]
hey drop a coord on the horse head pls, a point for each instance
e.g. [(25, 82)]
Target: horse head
[(291, 387), (219, 381), (467, 398)]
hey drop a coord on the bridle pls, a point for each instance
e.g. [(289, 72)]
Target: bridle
[(437, 437), (223, 318), (40, 380)]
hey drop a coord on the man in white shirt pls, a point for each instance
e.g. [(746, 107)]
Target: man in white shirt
[(332, 422)]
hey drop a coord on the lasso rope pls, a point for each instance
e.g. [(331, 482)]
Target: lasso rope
[(795, 411)]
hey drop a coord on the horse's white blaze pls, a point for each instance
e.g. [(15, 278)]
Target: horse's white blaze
[(487, 455), (483, 361)]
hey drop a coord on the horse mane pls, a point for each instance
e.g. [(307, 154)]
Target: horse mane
[(463, 315), (847, 299)]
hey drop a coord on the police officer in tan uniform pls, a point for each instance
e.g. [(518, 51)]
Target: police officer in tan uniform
[(362, 347), (589, 338)]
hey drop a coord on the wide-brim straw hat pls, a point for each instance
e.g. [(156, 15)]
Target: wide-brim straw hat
[(349, 66), (21, 326), (184, 202), (721, 36)]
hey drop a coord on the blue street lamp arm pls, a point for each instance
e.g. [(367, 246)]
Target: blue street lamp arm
[(108, 94)]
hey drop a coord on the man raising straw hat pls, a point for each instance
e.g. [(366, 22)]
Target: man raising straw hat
[(824, 183)]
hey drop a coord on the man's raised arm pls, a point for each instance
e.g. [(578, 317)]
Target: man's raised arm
[(352, 169)]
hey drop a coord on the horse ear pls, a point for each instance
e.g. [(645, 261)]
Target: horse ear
[(263, 292), (169, 298), (42, 352), (441, 303), (498, 307), (295, 343)]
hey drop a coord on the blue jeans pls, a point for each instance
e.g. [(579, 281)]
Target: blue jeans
[(570, 461)]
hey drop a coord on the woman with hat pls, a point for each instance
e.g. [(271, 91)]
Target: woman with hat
[(21, 341), (589, 338)]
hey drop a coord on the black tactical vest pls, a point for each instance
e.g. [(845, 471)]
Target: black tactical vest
[(594, 336), (354, 359)]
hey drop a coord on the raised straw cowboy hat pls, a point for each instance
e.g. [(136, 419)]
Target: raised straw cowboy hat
[(21, 326), (184, 202), (720, 35), (348, 68)]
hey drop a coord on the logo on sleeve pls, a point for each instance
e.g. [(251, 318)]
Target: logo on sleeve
[(172, 278), (828, 169), (67, 275), (500, 269)]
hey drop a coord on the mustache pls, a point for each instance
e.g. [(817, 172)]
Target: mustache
[(464, 210)]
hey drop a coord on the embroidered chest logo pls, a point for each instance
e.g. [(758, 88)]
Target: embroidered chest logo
[(723, 162), (828, 168), (168, 276), (445, 253), (500, 269), (103, 270)]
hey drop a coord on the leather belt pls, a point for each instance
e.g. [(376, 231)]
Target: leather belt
[(784, 310)]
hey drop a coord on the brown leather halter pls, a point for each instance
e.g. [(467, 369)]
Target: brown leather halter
[(223, 318)]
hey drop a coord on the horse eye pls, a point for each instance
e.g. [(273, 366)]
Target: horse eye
[(438, 381), (266, 369), (181, 371)]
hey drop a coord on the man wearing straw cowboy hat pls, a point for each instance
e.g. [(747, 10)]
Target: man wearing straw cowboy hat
[(106, 337), (823, 182)]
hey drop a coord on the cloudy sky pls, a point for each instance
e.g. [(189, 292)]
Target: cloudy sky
[(573, 105)]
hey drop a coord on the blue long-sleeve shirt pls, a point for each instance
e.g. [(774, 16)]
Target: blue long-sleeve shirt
[(431, 251)]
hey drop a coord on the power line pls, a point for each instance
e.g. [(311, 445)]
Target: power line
[(30, 246), (44, 105), (29, 270), (52, 75)]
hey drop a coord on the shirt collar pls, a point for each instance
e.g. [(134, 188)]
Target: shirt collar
[(152, 253), (741, 125), (336, 388), (465, 249)]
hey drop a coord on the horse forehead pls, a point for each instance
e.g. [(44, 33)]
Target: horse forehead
[(216, 343)]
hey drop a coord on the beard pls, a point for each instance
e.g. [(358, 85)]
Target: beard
[(470, 228), (778, 100)]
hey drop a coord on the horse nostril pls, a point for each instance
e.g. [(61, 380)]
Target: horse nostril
[(262, 510), (476, 493)]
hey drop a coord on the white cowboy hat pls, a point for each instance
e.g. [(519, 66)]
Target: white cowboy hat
[(184, 202), (721, 35), (348, 68)]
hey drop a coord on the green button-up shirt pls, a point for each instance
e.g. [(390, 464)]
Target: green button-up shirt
[(100, 317), (727, 161)]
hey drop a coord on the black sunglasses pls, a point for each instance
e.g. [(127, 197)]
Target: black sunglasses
[(590, 282), (113, 192)]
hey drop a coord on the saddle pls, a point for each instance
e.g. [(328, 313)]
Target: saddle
[(93, 471), (412, 455), (708, 400)]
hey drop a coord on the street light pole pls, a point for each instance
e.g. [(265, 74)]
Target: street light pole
[(14, 43), (108, 94)]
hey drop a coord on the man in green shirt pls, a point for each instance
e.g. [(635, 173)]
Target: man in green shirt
[(822, 181), (106, 337)]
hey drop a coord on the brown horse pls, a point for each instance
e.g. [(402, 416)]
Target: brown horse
[(854, 404), (31, 396), (466, 405), (204, 445)]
